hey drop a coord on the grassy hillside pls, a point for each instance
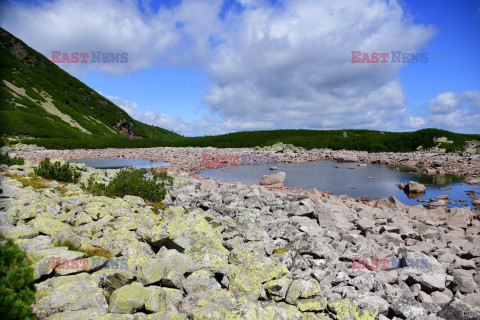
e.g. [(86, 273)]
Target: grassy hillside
[(39, 99)]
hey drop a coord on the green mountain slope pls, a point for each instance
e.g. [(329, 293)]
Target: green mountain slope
[(39, 99)]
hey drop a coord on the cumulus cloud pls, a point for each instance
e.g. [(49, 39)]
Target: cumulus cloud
[(270, 66), (455, 111), (206, 125), (292, 65)]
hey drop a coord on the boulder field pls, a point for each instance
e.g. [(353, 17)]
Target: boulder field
[(232, 251)]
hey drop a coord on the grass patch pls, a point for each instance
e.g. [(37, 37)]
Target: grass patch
[(57, 171), (35, 182), (88, 249), (62, 190), (67, 243), (156, 207)]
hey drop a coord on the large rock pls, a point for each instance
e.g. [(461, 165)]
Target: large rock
[(151, 271), (430, 281), (302, 289), (407, 308), (416, 188), (69, 293), (128, 299), (19, 232), (459, 310), (273, 179)]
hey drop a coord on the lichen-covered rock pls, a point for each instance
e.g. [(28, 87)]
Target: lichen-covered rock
[(247, 311), (87, 314), (19, 232), (111, 279), (282, 311), (49, 226), (155, 299), (69, 293), (128, 299), (165, 315), (46, 260), (314, 304), (35, 244), (151, 271), (407, 308), (302, 288), (173, 297), (347, 309), (459, 310), (176, 264), (199, 281), (371, 301), (277, 289), (314, 247), (246, 280), (208, 312)]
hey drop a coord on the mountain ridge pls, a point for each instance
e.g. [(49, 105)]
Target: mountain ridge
[(40, 100)]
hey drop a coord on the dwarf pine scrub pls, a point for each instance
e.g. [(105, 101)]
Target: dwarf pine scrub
[(144, 183), (57, 171), (5, 159), (17, 290)]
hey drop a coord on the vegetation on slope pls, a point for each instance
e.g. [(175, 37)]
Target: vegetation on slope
[(30, 82), (309, 139)]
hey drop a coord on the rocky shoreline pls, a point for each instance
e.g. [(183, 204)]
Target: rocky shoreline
[(190, 159), (232, 251)]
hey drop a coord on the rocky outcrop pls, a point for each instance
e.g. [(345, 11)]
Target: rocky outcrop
[(126, 129), (472, 146)]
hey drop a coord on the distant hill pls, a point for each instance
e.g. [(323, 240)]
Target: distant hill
[(39, 99)]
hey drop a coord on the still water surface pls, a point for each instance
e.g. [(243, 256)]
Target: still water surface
[(324, 176), (115, 163)]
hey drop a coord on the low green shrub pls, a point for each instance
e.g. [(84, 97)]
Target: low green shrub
[(5, 159), (17, 289), (145, 183), (56, 171)]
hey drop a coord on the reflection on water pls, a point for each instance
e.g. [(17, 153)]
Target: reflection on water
[(373, 180), (116, 163), (437, 179)]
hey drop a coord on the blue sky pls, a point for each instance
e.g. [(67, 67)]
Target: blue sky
[(211, 66)]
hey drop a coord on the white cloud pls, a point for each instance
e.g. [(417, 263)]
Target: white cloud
[(415, 122), (88, 25), (206, 125), (292, 66), (455, 111), (272, 66)]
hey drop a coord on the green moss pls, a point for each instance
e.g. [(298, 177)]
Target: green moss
[(280, 250)]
